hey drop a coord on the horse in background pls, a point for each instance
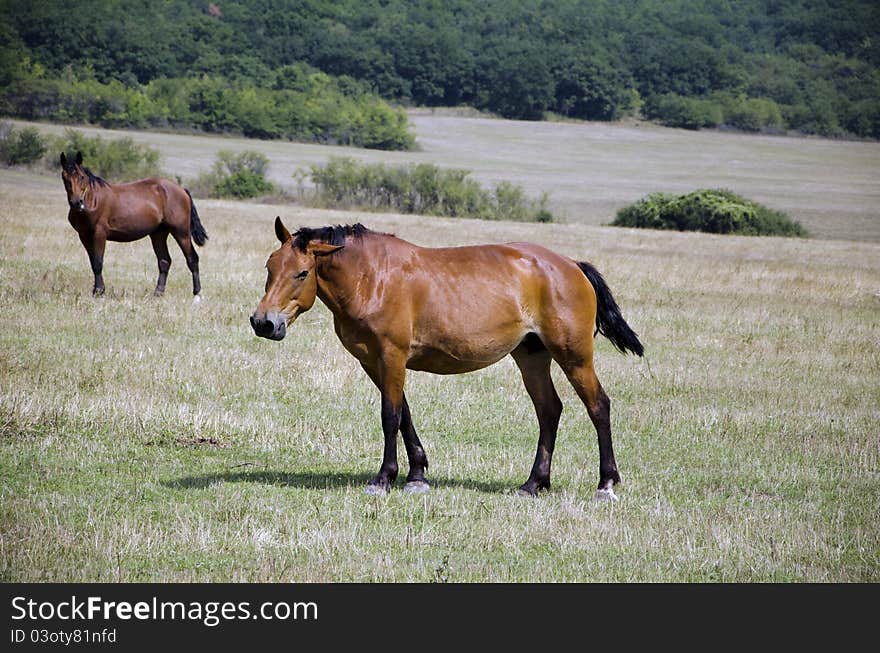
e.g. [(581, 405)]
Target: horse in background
[(397, 306), (101, 211)]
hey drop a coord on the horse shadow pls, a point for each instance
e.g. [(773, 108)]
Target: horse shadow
[(314, 480)]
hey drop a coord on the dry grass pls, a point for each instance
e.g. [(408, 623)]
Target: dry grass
[(593, 169), (145, 439)]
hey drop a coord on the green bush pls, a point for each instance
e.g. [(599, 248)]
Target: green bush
[(116, 160), (686, 112), (424, 188), (713, 211), (248, 161), (739, 111), (236, 175), (20, 147), (301, 104), (752, 114), (242, 185)]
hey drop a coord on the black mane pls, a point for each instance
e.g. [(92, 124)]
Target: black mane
[(93, 178), (330, 235)]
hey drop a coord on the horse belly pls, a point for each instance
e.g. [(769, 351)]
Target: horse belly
[(465, 353), (437, 361), (136, 212), (127, 236), (128, 227), (469, 332)]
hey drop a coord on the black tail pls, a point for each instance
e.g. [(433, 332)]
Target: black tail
[(609, 321), (196, 230)]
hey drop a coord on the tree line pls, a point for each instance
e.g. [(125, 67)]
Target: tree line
[(807, 65), (300, 104)]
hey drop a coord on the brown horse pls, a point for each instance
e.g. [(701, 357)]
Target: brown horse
[(397, 306), (101, 211)]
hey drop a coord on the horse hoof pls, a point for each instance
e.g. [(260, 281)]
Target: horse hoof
[(376, 491), (197, 299), (606, 494), (522, 492), (417, 487), (158, 293)]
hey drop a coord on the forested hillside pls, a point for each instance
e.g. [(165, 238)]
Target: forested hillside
[(806, 65)]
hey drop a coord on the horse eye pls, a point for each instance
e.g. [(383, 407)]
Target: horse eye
[(302, 275)]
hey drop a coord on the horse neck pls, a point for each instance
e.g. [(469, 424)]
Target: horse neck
[(99, 195), (347, 278)]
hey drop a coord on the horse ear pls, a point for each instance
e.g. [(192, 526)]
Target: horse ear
[(281, 231), (79, 158), (323, 249), (63, 160)]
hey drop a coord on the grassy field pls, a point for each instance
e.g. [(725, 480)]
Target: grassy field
[(146, 439), (593, 169)]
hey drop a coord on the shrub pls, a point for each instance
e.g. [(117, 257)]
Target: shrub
[(116, 160), (238, 176), (242, 185), (382, 127), (713, 211), (422, 188), (752, 114), (20, 147), (249, 160), (303, 104), (686, 112)]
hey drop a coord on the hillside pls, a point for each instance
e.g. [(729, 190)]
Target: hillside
[(756, 65)]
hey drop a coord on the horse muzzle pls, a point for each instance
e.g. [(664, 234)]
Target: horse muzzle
[(271, 325), (78, 205)]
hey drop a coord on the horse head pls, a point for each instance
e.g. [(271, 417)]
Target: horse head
[(291, 284), (76, 181)]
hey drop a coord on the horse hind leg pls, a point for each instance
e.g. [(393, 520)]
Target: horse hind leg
[(415, 453), (192, 259), (163, 258), (533, 361), (583, 378)]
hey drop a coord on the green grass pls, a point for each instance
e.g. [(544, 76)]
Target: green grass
[(146, 439)]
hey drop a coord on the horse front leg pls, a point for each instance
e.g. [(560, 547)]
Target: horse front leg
[(95, 242), (390, 375), (415, 453)]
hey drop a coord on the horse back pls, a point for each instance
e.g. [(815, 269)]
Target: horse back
[(470, 306), (138, 208), (162, 192), (527, 274)]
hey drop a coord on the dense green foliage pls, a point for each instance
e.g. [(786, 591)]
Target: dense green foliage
[(235, 175), (116, 160), (809, 65), (424, 188), (20, 147), (299, 104), (713, 211)]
